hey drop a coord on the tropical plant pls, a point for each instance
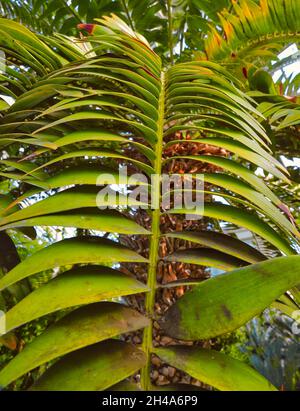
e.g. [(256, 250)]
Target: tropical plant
[(164, 23), (83, 107), (253, 32)]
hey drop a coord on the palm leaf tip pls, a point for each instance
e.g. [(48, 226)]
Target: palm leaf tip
[(87, 27)]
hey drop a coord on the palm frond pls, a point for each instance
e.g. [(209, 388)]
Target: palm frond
[(84, 114), (253, 32)]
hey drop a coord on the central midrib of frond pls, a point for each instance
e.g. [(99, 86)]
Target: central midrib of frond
[(154, 242), (265, 40)]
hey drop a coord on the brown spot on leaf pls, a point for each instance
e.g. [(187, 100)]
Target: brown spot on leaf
[(170, 323), (226, 312)]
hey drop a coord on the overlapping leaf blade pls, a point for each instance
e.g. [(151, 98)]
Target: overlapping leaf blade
[(224, 303), (84, 326)]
